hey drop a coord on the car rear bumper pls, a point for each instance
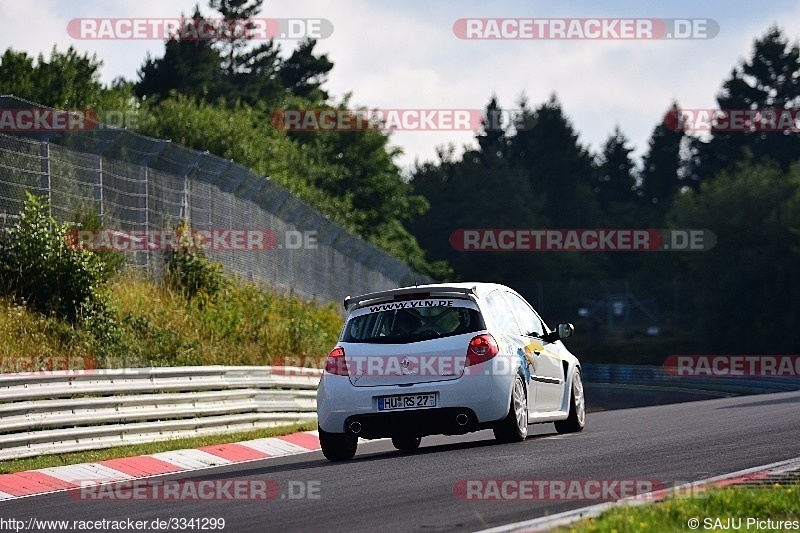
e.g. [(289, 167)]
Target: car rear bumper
[(419, 423), (482, 399)]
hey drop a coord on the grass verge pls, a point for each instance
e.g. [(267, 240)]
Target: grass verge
[(151, 324), (714, 510), (89, 456)]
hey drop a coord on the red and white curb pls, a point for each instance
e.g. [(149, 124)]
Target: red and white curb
[(63, 478), (566, 518)]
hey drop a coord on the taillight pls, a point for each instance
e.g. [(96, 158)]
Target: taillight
[(336, 364), (481, 349)]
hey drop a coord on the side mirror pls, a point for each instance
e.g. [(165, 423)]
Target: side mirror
[(563, 330)]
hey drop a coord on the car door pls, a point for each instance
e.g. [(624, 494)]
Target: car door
[(545, 360), (505, 319)]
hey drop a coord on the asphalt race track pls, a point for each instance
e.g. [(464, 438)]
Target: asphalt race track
[(609, 396), (385, 490)]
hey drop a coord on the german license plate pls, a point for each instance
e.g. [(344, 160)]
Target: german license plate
[(408, 401)]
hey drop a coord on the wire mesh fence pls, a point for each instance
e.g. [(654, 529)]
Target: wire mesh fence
[(140, 184)]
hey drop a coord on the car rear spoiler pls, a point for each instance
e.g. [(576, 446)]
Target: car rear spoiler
[(401, 294)]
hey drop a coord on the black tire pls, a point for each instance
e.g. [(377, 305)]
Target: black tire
[(577, 407), (406, 443), (514, 427), (338, 446)]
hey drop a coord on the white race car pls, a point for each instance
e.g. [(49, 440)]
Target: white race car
[(445, 359)]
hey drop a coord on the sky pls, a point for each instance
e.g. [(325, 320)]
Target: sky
[(407, 55)]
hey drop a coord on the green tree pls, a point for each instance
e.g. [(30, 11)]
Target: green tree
[(243, 135), (42, 266), (16, 74), (746, 289), (438, 184), (492, 139), (769, 79), (236, 15), (466, 193), (663, 168), (487, 188), (620, 206), (479, 191), (615, 180), (67, 80), (303, 73), (258, 77), (360, 171), (351, 177), (257, 73), (558, 167), (229, 65), (248, 73), (189, 66)]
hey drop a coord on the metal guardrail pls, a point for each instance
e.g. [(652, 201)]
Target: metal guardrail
[(67, 411), (655, 375)]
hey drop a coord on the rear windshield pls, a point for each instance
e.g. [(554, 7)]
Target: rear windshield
[(401, 326)]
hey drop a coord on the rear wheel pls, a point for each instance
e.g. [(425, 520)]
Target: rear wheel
[(577, 408), (406, 443), (514, 427), (338, 446)]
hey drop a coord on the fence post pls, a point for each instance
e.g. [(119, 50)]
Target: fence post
[(186, 206), (149, 264), (44, 153), (146, 198), (99, 185)]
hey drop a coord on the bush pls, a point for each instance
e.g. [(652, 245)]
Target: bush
[(189, 271), (132, 322), (246, 324), (40, 268), (87, 218)]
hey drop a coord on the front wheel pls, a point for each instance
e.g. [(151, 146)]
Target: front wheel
[(338, 446), (514, 427), (577, 408), (406, 443)]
